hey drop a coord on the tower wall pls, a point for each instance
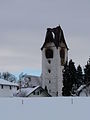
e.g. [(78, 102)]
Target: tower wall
[(52, 80), (54, 56)]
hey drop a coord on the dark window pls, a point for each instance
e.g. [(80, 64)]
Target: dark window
[(17, 88), (49, 61), (49, 53), (46, 89), (38, 93), (10, 87), (62, 55), (34, 93), (57, 94), (49, 81), (49, 70), (1, 86)]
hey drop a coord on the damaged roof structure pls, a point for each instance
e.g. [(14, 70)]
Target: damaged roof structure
[(56, 36)]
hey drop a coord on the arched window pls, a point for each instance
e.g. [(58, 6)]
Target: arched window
[(49, 53), (62, 55)]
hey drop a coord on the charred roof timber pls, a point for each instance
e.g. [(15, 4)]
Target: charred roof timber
[(56, 36)]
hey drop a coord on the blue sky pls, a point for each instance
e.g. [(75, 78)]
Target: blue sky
[(23, 25)]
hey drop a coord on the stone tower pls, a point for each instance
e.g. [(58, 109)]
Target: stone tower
[(54, 56)]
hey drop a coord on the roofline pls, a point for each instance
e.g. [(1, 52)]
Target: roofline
[(55, 30), (33, 90), (9, 85), (36, 89)]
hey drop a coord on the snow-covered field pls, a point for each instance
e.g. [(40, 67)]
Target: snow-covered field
[(59, 108)]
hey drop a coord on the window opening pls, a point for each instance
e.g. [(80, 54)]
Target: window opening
[(62, 55), (49, 53)]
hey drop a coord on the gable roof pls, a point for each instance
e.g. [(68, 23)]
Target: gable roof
[(25, 92), (56, 36), (39, 87)]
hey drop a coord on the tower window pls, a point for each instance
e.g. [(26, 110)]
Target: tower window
[(49, 53), (62, 55), (49, 71), (49, 61), (49, 81)]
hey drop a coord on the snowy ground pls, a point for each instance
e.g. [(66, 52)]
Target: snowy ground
[(45, 108)]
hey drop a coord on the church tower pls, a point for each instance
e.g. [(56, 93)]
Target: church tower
[(54, 56)]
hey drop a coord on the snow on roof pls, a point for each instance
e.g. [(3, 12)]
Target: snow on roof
[(5, 82), (80, 88), (56, 39), (26, 91), (30, 90)]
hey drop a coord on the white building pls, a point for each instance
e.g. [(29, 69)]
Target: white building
[(32, 92), (54, 56), (7, 89)]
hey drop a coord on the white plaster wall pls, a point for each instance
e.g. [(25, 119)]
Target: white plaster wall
[(7, 92), (41, 94), (55, 76), (56, 72)]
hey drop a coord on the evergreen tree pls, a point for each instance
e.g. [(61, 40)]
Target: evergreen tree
[(73, 76), (87, 72), (69, 79), (66, 77), (8, 76), (80, 80)]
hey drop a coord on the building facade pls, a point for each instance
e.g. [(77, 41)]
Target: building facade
[(7, 89), (54, 56), (37, 91)]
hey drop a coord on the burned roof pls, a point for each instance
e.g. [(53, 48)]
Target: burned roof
[(54, 35)]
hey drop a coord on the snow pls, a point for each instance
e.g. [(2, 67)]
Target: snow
[(53, 108), (80, 88), (5, 82), (26, 91)]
